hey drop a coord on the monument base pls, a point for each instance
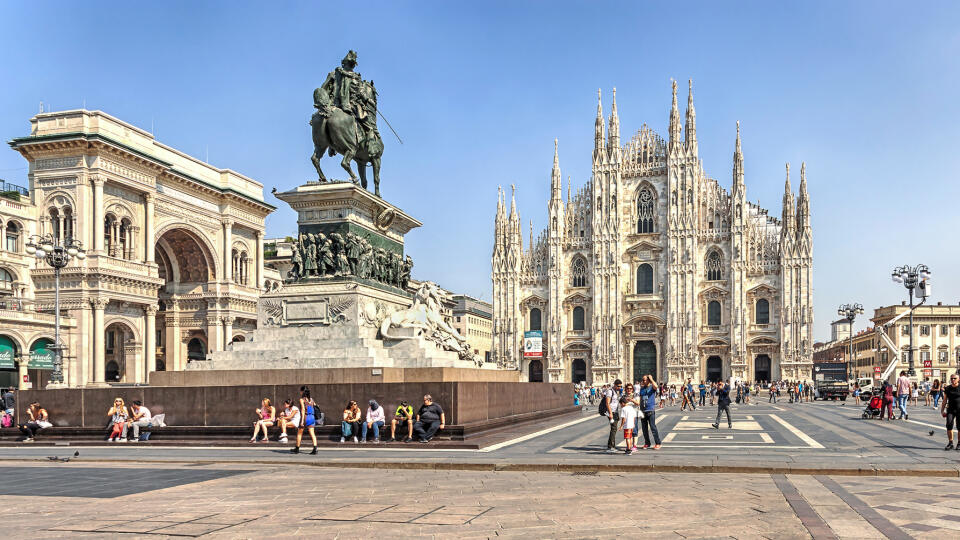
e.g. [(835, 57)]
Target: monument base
[(331, 324)]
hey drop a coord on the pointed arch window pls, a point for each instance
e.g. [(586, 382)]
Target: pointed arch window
[(579, 272), (763, 311), (578, 318), (714, 266), (645, 211), (645, 279), (713, 313), (535, 316)]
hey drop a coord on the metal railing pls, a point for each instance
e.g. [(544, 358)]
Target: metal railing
[(7, 186)]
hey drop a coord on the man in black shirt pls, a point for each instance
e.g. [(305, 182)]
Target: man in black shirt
[(950, 409), (430, 418), (723, 404)]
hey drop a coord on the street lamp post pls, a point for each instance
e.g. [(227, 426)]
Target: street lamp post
[(850, 312), (916, 277), (48, 248)]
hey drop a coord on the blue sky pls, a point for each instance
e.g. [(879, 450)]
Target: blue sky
[(864, 92)]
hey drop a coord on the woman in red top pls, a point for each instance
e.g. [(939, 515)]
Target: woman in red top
[(888, 393)]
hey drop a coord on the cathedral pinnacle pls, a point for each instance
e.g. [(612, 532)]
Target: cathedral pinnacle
[(556, 181), (614, 131), (674, 118), (599, 140), (690, 130), (738, 163)]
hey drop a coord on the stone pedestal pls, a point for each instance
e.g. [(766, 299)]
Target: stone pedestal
[(332, 319)]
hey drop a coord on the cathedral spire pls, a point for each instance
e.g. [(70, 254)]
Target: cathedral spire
[(690, 130), (614, 131), (599, 140), (787, 204), (513, 202), (556, 181), (738, 164), (803, 201), (674, 118), (569, 188)]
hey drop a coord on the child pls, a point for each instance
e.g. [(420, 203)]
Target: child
[(628, 419)]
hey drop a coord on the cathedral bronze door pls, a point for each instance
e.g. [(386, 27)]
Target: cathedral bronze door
[(579, 370), (644, 360), (714, 368), (536, 371), (761, 368)]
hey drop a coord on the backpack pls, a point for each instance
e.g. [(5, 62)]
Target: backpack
[(602, 409)]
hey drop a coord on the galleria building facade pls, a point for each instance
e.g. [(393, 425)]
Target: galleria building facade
[(654, 268), (174, 262)]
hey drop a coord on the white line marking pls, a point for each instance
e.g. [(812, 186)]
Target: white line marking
[(716, 437), (748, 417), (801, 435), (766, 438), (670, 436), (684, 418), (504, 444), (925, 424)]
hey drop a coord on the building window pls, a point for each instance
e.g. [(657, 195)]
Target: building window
[(905, 330), (578, 318), (924, 356), (535, 317), (6, 281), (924, 330), (713, 313), (579, 272), (944, 329), (763, 311), (645, 211), (12, 237), (714, 266), (942, 356), (645, 279)]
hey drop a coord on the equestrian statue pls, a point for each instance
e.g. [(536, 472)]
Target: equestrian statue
[(346, 123)]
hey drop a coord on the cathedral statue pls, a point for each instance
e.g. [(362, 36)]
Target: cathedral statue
[(346, 123)]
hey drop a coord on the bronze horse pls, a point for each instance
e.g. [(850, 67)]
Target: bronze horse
[(337, 132)]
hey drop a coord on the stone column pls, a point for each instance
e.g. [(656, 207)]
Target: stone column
[(259, 260), (227, 331), (99, 339), (227, 241), (214, 330), (150, 339), (149, 240), (22, 366), (173, 340), (97, 214)]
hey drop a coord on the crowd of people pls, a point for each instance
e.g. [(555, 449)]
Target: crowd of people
[(690, 395), (355, 425)]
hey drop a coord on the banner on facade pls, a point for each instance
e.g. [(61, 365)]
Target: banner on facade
[(6, 353), (40, 356), (928, 373), (533, 344)]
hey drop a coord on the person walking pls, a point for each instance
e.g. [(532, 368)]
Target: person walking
[(887, 392), (950, 409), (925, 390), (648, 399), (308, 420), (773, 393), (903, 394), (723, 404), (611, 399), (936, 391), (703, 393)]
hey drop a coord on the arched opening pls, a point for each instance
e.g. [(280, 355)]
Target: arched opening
[(6, 282), (644, 360), (55, 222), (185, 264), (535, 317), (714, 368), (238, 338), (110, 234), (579, 370), (761, 368), (536, 371), (714, 265), (117, 336), (196, 350), (763, 311), (126, 239), (9, 375), (645, 211), (645, 279), (578, 272), (713, 313), (578, 318)]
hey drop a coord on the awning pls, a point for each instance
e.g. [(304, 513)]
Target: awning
[(41, 357), (7, 350)]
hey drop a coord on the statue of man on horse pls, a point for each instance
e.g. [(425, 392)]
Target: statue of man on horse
[(346, 122)]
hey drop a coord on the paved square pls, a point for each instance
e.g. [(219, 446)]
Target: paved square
[(99, 482)]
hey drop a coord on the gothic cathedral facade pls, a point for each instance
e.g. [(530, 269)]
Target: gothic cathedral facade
[(654, 268)]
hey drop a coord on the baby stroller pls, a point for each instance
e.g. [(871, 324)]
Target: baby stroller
[(874, 406)]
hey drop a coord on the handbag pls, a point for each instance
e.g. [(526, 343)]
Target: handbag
[(347, 430)]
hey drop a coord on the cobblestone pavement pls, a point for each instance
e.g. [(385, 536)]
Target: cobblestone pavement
[(298, 501)]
